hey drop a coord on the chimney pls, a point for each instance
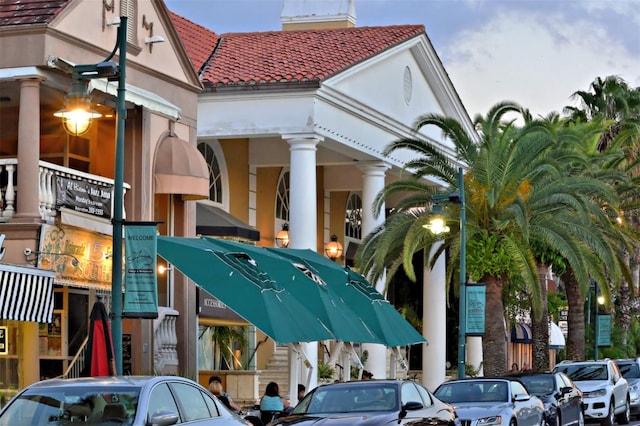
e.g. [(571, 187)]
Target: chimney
[(315, 14)]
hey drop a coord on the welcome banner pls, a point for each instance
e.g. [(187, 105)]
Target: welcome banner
[(141, 289)]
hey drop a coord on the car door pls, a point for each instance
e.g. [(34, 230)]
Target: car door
[(620, 386), (569, 402), (525, 410)]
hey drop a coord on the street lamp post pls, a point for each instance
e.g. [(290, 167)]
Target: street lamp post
[(81, 74), (437, 227)]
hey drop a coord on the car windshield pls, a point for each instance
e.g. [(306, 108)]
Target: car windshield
[(582, 372), (538, 385), (629, 370), (348, 398), (473, 391), (70, 406)]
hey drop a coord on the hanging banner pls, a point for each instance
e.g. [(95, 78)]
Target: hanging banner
[(603, 322), (476, 298), (140, 279)]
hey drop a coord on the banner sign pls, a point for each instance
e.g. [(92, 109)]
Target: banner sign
[(83, 196), (141, 289), (603, 322), (476, 303)]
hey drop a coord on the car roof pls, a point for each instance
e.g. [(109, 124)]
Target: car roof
[(369, 382), (132, 381)]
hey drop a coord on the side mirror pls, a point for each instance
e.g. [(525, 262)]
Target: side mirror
[(521, 397), (410, 406), (163, 418), (565, 390)]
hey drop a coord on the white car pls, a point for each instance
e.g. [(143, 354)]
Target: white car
[(605, 392)]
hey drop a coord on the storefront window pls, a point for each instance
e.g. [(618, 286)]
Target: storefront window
[(223, 347)]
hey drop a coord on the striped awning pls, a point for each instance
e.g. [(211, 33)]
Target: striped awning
[(26, 294), (521, 333)]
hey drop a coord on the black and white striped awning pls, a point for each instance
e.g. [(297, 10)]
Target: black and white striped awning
[(26, 294)]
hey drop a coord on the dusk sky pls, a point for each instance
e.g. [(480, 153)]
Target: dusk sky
[(534, 52)]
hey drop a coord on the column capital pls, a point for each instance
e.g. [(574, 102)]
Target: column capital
[(373, 167), (302, 140), (33, 78)]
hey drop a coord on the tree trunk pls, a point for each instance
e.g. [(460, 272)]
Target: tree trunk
[(625, 306), (575, 300), (494, 344), (540, 325)]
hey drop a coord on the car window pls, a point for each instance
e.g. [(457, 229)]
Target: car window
[(161, 399), (538, 384), (192, 400), (560, 382), (70, 405), (629, 370), (213, 407), (581, 372), (426, 396), (409, 393), (517, 388)]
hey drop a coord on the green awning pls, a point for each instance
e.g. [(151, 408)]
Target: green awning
[(361, 297), (238, 282), (310, 289)]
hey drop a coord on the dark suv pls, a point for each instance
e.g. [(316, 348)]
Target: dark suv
[(630, 370)]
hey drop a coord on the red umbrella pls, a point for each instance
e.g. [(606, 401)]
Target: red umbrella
[(99, 359)]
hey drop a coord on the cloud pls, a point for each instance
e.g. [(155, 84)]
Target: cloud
[(535, 60)]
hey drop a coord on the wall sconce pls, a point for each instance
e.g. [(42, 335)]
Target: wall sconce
[(333, 248), (77, 114), (282, 237), (151, 39), (32, 256)]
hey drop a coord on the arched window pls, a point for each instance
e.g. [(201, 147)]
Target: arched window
[(353, 217), (208, 151), (282, 198)]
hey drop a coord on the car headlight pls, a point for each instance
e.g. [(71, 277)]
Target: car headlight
[(635, 387), (597, 393), (493, 420)]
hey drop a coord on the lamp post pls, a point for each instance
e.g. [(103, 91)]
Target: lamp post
[(80, 75), (599, 299), (437, 226)]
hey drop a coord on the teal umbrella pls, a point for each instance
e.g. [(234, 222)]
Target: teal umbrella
[(310, 289), (237, 281), (361, 296)]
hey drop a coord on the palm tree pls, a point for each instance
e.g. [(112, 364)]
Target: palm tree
[(498, 183)]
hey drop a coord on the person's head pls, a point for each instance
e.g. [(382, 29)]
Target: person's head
[(272, 389), (215, 385), (301, 391), (514, 367)]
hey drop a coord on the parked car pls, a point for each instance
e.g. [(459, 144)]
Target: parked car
[(561, 397), (122, 401), (630, 370), (492, 402), (370, 402), (604, 391)]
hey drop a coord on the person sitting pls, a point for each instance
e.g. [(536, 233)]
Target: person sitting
[(215, 386), (514, 368), (272, 404)]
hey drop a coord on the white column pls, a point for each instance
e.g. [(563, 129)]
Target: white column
[(28, 206), (303, 228), (372, 183), (434, 319)]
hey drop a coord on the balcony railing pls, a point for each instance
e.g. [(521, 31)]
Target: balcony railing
[(47, 177), (165, 341)]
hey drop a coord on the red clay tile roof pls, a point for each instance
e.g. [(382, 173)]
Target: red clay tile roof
[(198, 41), (276, 57), (25, 12)]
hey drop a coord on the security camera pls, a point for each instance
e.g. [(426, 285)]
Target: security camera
[(27, 251), (74, 261)]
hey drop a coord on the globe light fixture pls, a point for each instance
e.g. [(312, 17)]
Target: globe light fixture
[(333, 249), (282, 237), (77, 114)]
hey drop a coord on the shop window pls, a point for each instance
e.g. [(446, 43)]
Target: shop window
[(223, 347), (282, 198), (353, 217)]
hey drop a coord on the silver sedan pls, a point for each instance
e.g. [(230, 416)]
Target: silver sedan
[(121, 401), (492, 402)]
